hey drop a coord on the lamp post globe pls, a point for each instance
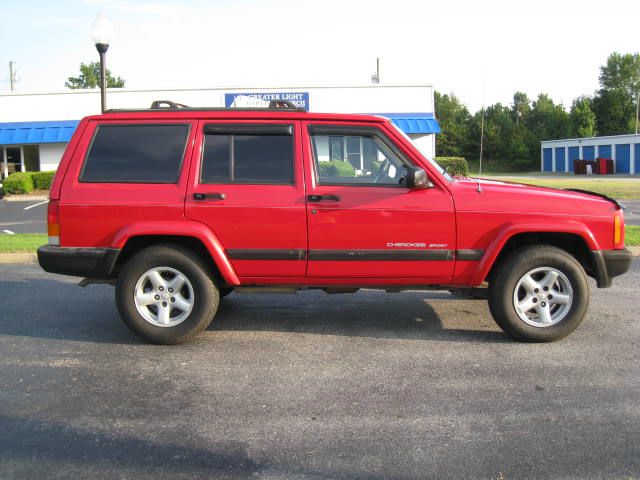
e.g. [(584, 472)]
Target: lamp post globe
[(101, 33)]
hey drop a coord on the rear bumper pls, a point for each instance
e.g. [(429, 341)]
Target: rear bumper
[(78, 262), (609, 264)]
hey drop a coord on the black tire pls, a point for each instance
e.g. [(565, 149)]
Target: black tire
[(513, 268), (205, 298)]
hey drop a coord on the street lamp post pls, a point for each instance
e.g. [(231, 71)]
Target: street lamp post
[(101, 32)]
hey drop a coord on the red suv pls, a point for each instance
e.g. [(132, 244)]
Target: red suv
[(179, 207)]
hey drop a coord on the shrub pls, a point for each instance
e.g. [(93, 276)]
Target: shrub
[(19, 182), (336, 168), (42, 180), (454, 165)]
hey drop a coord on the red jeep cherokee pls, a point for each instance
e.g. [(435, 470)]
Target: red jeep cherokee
[(179, 206)]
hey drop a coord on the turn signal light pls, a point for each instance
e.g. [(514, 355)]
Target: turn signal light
[(618, 230), (53, 225)]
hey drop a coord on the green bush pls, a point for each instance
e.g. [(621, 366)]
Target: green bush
[(19, 182), (454, 165), (336, 168), (42, 180)]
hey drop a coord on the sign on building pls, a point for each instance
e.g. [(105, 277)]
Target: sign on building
[(262, 99)]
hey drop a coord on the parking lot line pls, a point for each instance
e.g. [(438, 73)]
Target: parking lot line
[(35, 205)]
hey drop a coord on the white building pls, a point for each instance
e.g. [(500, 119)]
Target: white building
[(624, 150), (35, 127)]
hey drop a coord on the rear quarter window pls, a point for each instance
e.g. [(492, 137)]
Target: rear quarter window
[(135, 154)]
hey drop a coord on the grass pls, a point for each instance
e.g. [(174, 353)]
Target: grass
[(21, 242), (618, 188), (632, 235)]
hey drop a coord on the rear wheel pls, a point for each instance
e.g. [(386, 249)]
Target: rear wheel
[(165, 295), (539, 294)]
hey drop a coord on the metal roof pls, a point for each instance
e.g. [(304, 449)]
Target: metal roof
[(414, 123), (22, 133)]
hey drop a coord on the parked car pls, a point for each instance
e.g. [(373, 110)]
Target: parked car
[(179, 207)]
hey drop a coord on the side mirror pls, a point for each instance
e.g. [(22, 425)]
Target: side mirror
[(417, 178)]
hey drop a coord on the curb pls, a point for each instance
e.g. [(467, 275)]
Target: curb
[(26, 198), (6, 258), (635, 251)]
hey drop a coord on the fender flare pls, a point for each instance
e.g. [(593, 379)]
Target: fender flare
[(182, 228), (509, 230)]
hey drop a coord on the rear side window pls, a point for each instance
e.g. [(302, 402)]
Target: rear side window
[(261, 154), (135, 154)]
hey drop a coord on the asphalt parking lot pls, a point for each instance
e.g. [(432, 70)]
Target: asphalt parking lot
[(369, 385), (23, 217)]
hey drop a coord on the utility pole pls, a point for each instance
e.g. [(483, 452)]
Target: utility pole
[(637, 110), (484, 89), (375, 78), (481, 141), (12, 75)]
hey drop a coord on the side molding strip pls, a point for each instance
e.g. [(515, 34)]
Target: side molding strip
[(469, 254), (380, 255), (354, 255), (266, 254)]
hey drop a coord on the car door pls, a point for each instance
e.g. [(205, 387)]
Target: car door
[(363, 221), (246, 184)]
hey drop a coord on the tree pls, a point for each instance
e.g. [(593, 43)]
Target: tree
[(615, 112), (547, 120), (453, 117), (615, 102), (582, 118), (90, 78), (521, 107), (622, 72)]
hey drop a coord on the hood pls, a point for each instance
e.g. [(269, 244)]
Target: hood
[(495, 195)]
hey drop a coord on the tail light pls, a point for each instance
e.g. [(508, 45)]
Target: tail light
[(53, 222), (618, 229)]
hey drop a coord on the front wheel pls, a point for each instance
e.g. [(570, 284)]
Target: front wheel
[(539, 294), (165, 295)]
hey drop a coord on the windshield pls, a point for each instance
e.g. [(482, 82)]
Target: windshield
[(441, 170)]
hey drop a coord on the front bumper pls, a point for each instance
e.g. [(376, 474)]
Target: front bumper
[(78, 262), (609, 264)]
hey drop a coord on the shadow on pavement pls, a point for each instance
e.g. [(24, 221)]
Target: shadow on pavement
[(407, 315), (62, 310), (34, 445)]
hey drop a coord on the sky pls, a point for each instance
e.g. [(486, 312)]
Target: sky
[(482, 51)]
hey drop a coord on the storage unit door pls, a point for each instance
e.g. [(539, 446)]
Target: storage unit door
[(547, 160), (560, 163), (623, 158), (604, 151), (589, 153)]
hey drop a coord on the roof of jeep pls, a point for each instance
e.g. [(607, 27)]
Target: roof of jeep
[(232, 114)]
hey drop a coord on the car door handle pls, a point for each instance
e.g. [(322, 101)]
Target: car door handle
[(320, 198), (206, 196)]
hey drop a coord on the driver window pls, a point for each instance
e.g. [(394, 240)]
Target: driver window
[(355, 159)]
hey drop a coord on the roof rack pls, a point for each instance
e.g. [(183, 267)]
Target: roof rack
[(169, 106)]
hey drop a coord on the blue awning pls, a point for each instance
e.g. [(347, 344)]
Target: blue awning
[(414, 123), (22, 133)]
